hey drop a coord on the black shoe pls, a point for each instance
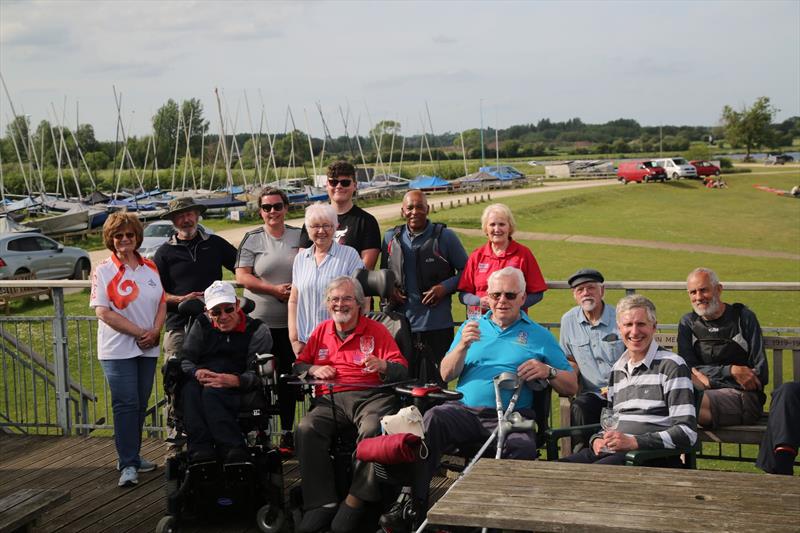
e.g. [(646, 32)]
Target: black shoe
[(316, 519), (237, 455), (397, 519), (202, 455)]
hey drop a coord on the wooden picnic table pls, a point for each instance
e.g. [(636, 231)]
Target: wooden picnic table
[(551, 496)]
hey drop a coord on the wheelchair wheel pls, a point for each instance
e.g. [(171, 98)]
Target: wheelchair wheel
[(167, 524), (270, 518)]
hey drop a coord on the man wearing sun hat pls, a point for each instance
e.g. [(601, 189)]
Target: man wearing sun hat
[(217, 361), (188, 262)]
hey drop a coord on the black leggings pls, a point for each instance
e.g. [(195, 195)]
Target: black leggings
[(287, 394)]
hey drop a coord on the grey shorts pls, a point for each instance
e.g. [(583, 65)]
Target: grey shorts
[(733, 407), (172, 343)]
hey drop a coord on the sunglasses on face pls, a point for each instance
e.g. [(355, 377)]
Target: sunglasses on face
[(343, 183), (127, 235), (508, 295), (217, 311), (272, 207)]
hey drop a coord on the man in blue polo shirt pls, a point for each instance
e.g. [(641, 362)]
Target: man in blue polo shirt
[(503, 340)]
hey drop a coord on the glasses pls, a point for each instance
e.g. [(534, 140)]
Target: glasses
[(508, 295), (341, 299), (344, 183), (323, 227), (272, 207), (219, 310), (127, 235)]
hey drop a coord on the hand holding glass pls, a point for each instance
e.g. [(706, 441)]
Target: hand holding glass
[(609, 420), (367, 345), (474, 312)]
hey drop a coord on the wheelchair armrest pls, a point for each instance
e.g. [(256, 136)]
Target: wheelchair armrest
[(553, 435), (641, 457), (428, 395), (265, 364)]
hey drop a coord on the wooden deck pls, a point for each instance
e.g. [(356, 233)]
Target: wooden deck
[(87, 468)]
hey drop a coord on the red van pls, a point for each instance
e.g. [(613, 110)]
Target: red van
[(640, 171)]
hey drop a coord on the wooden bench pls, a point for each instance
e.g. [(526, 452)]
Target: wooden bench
[(9, 294), (749, 434), (20, 510)]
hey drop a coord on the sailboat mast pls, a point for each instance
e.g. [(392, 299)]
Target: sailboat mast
[(222, 139)]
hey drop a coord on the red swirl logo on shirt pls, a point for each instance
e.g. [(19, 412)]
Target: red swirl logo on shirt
[(121, 294)]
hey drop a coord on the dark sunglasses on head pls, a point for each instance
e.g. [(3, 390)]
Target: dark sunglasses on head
[(272, 207), (508, 295), (127, 235), (218, 311), (333, 182)]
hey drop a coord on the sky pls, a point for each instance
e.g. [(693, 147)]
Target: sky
[(437, 63)]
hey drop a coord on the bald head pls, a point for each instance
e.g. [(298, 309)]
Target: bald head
[(415, 210)]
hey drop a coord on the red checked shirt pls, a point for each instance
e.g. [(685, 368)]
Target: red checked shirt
[(324, 347), (483, 261)]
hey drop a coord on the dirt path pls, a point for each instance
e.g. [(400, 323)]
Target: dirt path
[(659, 245)]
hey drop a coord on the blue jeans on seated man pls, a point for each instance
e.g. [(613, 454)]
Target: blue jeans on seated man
[(131, 382)]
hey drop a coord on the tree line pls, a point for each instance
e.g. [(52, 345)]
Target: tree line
[(180, 138)]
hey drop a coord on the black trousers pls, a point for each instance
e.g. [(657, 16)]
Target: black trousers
[(783, 425), (209, 416), (587, 455), (429, 349), (585, 409), (287, 394), (318, 429)]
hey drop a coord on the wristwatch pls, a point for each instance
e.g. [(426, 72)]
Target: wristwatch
[(553, 372)]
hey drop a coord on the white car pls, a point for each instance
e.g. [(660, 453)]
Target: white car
[(156, 233), (677, 167)]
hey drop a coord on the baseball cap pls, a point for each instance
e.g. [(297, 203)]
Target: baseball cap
[(219, 292)]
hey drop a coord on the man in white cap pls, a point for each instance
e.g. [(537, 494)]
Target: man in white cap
[(217, 361)]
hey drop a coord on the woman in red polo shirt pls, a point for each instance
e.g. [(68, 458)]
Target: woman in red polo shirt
[(501, 251)]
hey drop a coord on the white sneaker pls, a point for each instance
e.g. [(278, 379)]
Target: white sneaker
[(145, 465), (129, 477)]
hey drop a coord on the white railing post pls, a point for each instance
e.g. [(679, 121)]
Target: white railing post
[(61, 353)]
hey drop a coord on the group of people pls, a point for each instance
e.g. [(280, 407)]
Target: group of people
[(309, 312)]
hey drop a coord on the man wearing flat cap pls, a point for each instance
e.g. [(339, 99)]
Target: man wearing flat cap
[(188, 262), (592, 343)]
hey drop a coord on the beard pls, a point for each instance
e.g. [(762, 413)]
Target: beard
[(588, 305), (710, 310), (342, 317)]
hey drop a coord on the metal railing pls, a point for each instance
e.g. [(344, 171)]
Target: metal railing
[(52, 382)]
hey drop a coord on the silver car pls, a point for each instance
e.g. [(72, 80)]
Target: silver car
[(156, 233), (24, 253)]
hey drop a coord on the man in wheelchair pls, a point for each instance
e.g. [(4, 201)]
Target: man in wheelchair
[(217, 360), (349, 356), (504, 340)]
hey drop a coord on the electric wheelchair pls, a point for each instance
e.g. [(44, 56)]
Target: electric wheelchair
[(210, 490)]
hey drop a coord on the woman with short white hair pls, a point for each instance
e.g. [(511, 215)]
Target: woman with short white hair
[(501, 251), (313, 269)]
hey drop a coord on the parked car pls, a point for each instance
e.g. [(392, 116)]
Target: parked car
[(25, 253), (777, 158), (677, 167), (705, 168), (156, 233), (640, 171)]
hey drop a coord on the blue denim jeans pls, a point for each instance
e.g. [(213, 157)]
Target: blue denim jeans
[(130, 381)]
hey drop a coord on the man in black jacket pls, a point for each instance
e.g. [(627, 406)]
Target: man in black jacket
[(217, 360), (723, 346)]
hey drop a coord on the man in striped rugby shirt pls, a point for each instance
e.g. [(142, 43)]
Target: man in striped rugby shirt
[(651, 390)]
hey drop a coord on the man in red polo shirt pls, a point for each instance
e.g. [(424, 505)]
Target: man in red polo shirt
[(358, 355)]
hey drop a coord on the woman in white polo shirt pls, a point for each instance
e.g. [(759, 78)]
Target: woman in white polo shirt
[(129, 302)]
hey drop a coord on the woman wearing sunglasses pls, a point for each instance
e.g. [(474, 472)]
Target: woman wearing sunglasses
[(499, 252), (264, 268), (130, 305), (313, 268)]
